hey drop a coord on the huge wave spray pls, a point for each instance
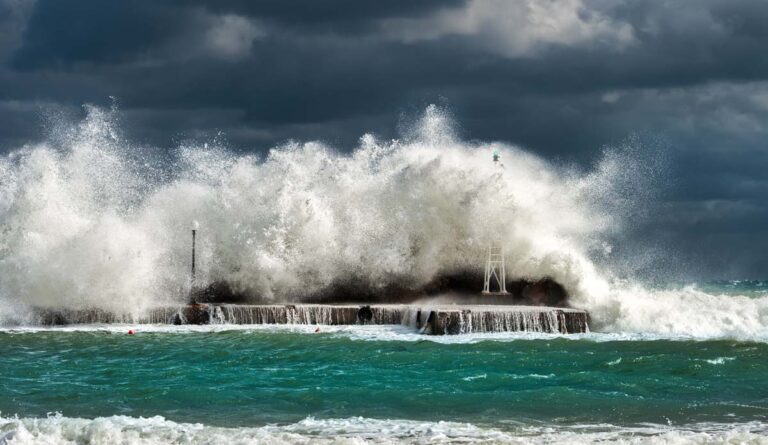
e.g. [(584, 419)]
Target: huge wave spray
[(92, 221)]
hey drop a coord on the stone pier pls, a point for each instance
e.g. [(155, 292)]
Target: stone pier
[(427, 319), (451, 320)]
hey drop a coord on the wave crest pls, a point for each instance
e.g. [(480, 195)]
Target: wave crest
[(91, 220), (157, 430)]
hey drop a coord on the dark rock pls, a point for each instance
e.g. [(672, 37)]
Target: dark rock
[(220, 292), (197, 314), (354, 290), (545, 292), (365, 314)]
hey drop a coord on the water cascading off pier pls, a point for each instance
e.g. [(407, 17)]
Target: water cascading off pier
[(436, 320)]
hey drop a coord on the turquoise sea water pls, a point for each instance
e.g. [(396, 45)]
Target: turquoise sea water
[(506, 386)]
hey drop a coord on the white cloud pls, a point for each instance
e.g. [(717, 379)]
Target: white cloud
[(518, 27), (232, 35)]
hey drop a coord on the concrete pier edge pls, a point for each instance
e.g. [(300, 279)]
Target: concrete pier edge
[(428, 319)]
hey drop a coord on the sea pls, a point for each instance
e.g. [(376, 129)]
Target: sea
[(92, 220), (375, 384)]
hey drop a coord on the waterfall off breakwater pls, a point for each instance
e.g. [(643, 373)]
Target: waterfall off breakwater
[(439, 320)]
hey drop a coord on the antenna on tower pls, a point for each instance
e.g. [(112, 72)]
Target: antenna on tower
[(495, 267)]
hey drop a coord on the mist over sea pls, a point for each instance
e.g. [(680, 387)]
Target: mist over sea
[(89, 219)]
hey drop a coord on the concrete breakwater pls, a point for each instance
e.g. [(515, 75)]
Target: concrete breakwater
[(444, 320), (435, 319)]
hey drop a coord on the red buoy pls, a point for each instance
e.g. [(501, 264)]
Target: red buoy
[(131, 332)]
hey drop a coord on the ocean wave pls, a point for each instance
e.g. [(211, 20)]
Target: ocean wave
[(89, 220), (57, 429), (688, 311)]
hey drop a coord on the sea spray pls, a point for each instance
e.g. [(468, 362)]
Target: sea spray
[(85, 228), (88, 221)]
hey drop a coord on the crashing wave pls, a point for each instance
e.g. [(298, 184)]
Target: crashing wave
[(157, 430), (91, 221)]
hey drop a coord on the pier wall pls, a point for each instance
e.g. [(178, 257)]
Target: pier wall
[(436, 320)]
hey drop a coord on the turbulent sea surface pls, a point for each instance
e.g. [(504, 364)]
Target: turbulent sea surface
[(89, 220), (227, 384)]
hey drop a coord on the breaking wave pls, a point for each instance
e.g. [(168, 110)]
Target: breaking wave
[(91, 220), (157, 430)]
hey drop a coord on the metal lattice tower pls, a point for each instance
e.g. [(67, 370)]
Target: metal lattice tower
[(494, 266), (495, 269)]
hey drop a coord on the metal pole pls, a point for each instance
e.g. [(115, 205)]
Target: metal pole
[(194, 232)]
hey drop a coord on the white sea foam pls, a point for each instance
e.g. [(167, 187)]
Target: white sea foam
[(355, 333), (88, 221), (475, 377), (685, 312), (157, 430), (720, 360)]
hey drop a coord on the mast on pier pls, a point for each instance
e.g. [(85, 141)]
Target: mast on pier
[(192, 282), (495, 269)]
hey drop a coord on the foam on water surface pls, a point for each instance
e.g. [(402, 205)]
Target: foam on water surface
[(56, 429), (356, 332)]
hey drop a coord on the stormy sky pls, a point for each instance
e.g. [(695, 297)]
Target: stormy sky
[(562, 78)]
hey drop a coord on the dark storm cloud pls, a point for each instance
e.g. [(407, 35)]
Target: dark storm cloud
[(561, 78), (345, 16), (64, 33)]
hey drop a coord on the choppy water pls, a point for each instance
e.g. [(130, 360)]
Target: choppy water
[(205, 385)]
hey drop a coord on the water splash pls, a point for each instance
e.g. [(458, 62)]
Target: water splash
[(155, 430), (91, 221)]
